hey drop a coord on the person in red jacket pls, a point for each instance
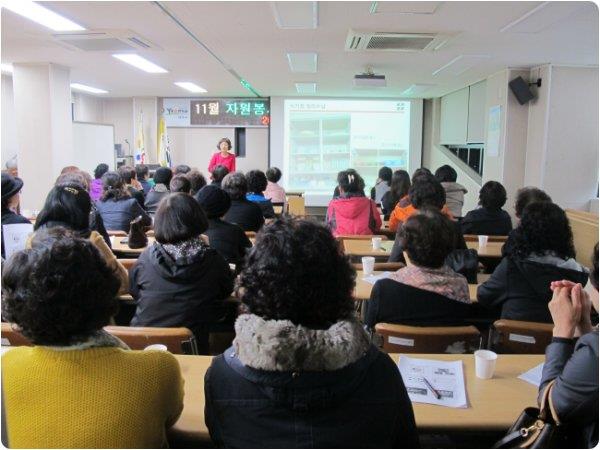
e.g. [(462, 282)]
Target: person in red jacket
[(223, 157), (352, 212)]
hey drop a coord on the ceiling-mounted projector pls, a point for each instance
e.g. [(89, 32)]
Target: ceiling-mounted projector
[(369, 79)]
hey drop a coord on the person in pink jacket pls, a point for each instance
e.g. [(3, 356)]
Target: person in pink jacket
[(352, 212), (96, 185), (223, 157)]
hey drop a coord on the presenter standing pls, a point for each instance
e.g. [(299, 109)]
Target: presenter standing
[(223, 157)]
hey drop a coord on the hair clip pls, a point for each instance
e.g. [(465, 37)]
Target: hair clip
[(350, 178), (71, 190)]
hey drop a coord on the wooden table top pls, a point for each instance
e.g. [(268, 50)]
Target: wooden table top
[(493, 404), (118, 247), (364, 247), (490, 250)]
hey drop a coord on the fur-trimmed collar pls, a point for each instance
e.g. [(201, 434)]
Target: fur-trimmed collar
[(279, 345)]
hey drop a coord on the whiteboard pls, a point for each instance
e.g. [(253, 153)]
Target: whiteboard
[(93, 143)]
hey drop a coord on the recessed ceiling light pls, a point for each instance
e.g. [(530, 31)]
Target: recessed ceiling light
[(192, 87), (306, 88), (140, 63), (417, 89), (83, 87), (296, 15), (43, 16), (302, 62), (6, 68)]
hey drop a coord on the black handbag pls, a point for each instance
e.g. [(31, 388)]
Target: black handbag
[(535, 427), (464, 262), (137, 235)]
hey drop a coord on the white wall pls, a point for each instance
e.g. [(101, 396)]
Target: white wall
[(119, 112), (9, 126), (87, 108)]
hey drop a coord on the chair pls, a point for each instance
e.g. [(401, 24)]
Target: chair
[(516, 336), (475, 238), (382, 266), (178, 340), (13, 336), (278, 208), (128, 263), (250, 234), (360, 237), (409, 339), (296, 206)]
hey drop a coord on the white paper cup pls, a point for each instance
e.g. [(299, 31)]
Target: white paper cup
[(368, 264), (376, 243), (485, 363), (483, 240), (161, 347), (27, 213)]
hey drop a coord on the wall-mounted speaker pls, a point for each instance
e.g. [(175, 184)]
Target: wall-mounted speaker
[(520, 88)]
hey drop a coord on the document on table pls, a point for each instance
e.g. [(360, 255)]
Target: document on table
[(446, 377), (372, 279), (15, 237), (533, 376)]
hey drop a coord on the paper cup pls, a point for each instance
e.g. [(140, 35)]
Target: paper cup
[(368, 264), (485, 364), (376, 243), (27, 213), (483, 240), (161, 347)]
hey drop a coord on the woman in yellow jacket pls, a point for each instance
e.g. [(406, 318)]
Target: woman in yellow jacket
[(78, 386)]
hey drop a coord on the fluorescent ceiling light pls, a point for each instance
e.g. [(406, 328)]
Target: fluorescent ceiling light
[(190, 86), (306, 88), (140, 63), (461, 64), (83, 87), (302, 62), (6, 68), (43, 16), (417, 89), (296, 15), (542, 16)]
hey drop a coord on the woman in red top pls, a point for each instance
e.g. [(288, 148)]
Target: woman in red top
[(223, 158)]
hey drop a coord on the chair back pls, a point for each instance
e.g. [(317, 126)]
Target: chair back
[(516, 336), (409, 339), (361, 237), (392, 266), (296, 206), (278, 208), (128, 263), (178, 340), (475, 238), (12, 337)]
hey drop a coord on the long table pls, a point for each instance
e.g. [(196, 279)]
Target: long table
[(493, 404), (492, 250), (123, 249)]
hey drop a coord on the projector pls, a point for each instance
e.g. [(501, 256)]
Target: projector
[(369, 80)]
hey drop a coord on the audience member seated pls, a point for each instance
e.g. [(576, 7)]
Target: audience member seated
[(180, 183), (217, 175), (425, 292), (489, 219), (96, 188), (543, 252), (128, 175), (162, 178), (197, 181), (226, 238), (11, 188), (117, 207), (69, 206), (455, 193), (572, 360), (382, 184), (257, 183), (352, 212), (361, 184), (242, 212), (180, 281), (301, 372), (182, 169), (398, 190), (78, 387), (12, 167), (274, 192), (142, 173)]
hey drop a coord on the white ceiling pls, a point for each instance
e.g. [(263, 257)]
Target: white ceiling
[(245, 36)]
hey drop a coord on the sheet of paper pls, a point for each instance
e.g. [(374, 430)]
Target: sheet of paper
[(533, 376), (372, 279), (446, 377), (15, 237)]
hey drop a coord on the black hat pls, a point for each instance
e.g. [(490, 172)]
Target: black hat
[(10, 186), (214, 201)]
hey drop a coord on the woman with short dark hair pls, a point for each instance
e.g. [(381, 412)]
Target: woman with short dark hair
[(455, 193), (489, 219), (97, 187), (274, 191), (162, 179), (242, 211), (180, 281), (11, 190), (398, 190), (78, 387), (197, 181), (180, 183), (117, 207), (301, 363), (382, 184), (543, 251), (257, 183)]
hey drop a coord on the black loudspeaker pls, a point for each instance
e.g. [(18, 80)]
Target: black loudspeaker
[(520, 88)]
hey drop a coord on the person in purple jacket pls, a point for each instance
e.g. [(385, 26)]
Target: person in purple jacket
[(96, 186)]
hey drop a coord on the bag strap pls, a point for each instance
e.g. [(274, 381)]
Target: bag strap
[(547, 404), (509, 440)]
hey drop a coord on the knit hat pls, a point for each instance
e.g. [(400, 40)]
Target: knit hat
[(10, 186), (214, 201)]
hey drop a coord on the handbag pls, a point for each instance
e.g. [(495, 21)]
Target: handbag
[(464, 262), (535, 427), (137, 236)]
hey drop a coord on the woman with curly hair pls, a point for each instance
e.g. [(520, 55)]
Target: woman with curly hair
[(542, 252), (301, 372), (78, 387), (117, 207)]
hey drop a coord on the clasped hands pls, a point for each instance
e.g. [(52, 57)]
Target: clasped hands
[(570, 308)]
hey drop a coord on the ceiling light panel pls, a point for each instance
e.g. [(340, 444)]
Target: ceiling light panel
[(302, 62), (542, 17), (306, 88), (460, 64), (386, 7), (90, 89), (37, 13), (417, 89), (296, 15), (140, 63), (192, 87)]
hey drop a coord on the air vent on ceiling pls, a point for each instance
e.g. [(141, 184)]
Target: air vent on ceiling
[(104, 41), (397, 42)]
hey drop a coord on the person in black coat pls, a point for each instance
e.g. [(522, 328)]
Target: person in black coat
[(399, 187), (302, 372), (519, 288), (426, 292), (572, 360), (257, 183), (226, 238), (11, 187), (218, 174), (180, 281), (242, 212), (128, 174), (490, 219), (162, 178)]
